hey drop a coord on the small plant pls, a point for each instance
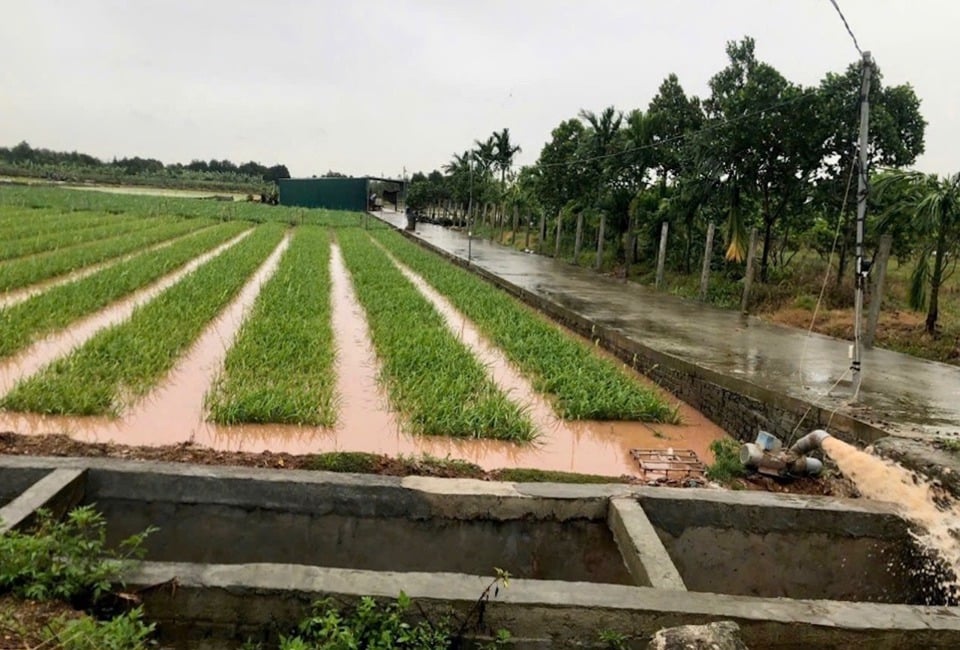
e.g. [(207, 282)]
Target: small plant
[(65, 560), (501, 640), (952, 445), (726, 465), (124, 632), (370, 626), (613, 640)]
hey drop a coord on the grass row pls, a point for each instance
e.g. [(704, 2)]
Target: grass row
[(15, 274), (280, 369), (57, 307), (430, 376), (16, 223), (73, 200), (585, 385), (68, 236), (125, 361)]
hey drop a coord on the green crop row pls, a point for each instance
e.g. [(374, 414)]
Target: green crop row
[(123, 362), (431, 377), (585, 385), (67, 236), (15, 274), (72, 200), (28, 222), (58, 306), (280, 369)]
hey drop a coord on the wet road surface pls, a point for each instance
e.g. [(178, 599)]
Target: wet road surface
[(909, 396)]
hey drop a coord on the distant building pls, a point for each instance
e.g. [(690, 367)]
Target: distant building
[(355, 194)]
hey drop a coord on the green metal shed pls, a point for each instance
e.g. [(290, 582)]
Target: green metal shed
[(339, 193), (330, 193)]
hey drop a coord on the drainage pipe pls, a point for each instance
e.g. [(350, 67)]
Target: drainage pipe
[(809, 442)]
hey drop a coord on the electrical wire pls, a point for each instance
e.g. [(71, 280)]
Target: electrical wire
[(847, 25)]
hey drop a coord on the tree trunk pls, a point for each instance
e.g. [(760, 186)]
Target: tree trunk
[(542, 231), (688, 251), (600, 235), (526, 234), (514, 225), (767, 236), (937, 278), (578, 242), (556, 243)]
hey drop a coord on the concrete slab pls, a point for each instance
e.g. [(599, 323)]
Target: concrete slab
[(644, 553), (194, 599), (57, 492), (900, 395)]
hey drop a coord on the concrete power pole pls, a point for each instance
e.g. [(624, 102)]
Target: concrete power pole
[(863, 266)]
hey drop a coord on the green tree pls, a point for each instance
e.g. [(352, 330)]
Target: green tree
[(762, 133), (935, 203)]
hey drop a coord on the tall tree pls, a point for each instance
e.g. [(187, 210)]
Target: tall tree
[(561, 179), (761, 128), (935, 203)]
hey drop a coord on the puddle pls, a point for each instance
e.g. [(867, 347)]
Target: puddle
[(46, 350)]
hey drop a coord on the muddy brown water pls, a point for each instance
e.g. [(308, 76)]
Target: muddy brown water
[(938, 518), (174, 412)]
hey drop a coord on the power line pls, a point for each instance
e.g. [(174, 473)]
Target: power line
[(847, 25)]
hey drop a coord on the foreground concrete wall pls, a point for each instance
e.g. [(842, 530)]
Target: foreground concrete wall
[(217, 604), (249, 600)]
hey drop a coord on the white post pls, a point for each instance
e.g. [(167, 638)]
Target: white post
[(862, 268)]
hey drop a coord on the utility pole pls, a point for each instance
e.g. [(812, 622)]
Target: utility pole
[(862, 269), (470, 214)]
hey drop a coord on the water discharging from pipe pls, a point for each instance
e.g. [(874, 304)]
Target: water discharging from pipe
[(915, 499)]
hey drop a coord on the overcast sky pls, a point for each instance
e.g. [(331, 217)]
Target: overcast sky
[(364, 86)]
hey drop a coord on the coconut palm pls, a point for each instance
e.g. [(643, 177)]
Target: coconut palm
[(505, 151), (935, 204)]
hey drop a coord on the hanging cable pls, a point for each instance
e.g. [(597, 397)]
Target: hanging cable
[(847, 25)]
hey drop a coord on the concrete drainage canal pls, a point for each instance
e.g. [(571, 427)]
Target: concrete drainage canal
[(242, 554)]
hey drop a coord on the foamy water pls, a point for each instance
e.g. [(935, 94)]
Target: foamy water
[(914, 498)]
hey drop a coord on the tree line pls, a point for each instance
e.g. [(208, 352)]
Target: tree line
[(760, 151), (24, 160)]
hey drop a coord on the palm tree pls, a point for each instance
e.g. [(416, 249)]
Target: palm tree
[(605, 127), (935, 204), (505, 151)]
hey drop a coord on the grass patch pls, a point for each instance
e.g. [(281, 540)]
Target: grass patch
[(67, 236), (350, 462), (57, 307), (125, 361), (430, 376), (280, 369), (18, 273), (951, 445), (524, 475), (585, 385), (68, 200), (18, 223), (726, 465)]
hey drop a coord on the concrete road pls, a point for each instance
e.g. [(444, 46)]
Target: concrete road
[(902, 394)]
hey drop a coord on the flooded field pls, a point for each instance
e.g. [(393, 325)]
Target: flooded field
[(167, 404)]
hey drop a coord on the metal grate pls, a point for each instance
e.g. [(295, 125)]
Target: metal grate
[(668, 465)]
